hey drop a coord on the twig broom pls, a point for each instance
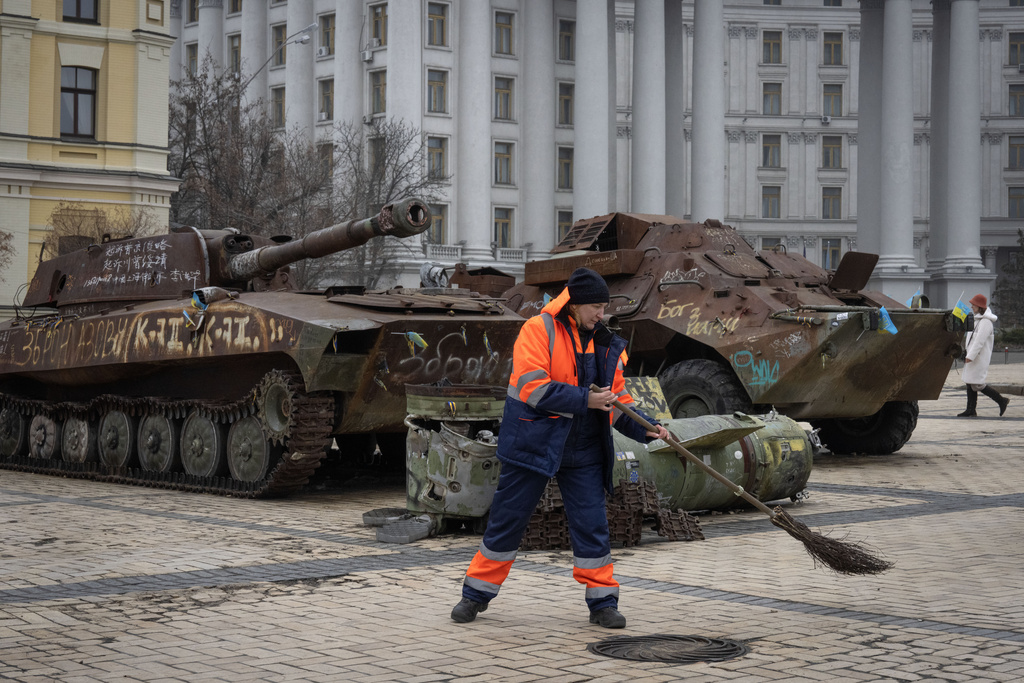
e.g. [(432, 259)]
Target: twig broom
[(839, 556)]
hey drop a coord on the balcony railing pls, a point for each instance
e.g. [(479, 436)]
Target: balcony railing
[(444, 252), (510, 255)]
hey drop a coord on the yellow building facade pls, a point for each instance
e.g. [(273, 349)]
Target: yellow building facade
[(83, 116)]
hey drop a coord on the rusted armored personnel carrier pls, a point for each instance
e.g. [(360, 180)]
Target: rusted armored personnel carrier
[(187, 359), (728, 328)]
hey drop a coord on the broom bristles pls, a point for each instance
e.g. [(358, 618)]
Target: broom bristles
[(839, 556)]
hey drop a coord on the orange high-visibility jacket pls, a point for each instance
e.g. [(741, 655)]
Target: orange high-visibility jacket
[(544, 394)]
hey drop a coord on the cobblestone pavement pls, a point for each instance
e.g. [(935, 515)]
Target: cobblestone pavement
[(100, 582)]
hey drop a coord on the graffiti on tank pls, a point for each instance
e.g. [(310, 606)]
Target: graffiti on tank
[(451, 358), (679, 275), (139, 337), (761, 373), (696, 326), (532, 305), (790, 346)]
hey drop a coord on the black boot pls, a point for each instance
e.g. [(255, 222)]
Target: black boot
[(972, 403), (467, 609), (998, 398), (609, 617)]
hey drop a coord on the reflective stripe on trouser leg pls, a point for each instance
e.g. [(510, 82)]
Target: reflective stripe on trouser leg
[(486, 573), (596, 574)]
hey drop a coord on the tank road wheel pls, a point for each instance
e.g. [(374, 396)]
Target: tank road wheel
[(78, 442), (276, 406), (13, 433), (44, 437), (158, 444), (202, 446), (116, 438), (883, 433), (703, 387), (249, 451)]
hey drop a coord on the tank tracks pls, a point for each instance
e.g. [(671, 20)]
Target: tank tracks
[(304, 446), (633, 506)]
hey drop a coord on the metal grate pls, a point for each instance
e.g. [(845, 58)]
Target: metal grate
[(666, 648)]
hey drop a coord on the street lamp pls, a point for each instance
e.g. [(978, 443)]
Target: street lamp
[(298, 38)]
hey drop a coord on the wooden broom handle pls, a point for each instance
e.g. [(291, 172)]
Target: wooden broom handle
[(671, 441)]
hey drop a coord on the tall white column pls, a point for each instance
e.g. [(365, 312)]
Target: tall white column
[(708, 174), (349, 98), (649, 115), (897, 272), (869, 127), (961, 268), (964, 163), (211, 33), (538, 129), (300, 86), (255, 35), (675, 109), (938, 200), (474, 173), (404, 55), (177, 48), (595, 131)]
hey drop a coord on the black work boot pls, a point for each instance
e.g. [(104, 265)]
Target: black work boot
[(998, 398), (466, 610), (972, 404), (609, 617)]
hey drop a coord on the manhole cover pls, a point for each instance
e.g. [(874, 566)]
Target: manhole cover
[(662, 648)]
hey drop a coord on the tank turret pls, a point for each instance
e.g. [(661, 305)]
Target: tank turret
[(187, 259)]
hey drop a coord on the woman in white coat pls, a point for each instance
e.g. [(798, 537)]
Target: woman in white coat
[(979, 353)]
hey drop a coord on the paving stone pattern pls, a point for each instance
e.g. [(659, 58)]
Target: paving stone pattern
[(101, 582)]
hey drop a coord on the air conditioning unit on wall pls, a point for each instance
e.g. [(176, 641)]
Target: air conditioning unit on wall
[(826, 120), (322, 116), (367, 55), (322, 51)]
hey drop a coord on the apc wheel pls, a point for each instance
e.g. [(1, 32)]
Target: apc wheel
[(44, 437), (116, 438), (249, 451), (78, 442), (202, 446), (883, 433), (703, 387), (158, 444), (13, 433)]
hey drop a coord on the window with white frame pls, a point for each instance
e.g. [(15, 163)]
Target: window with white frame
[(566, 40), (503, 163), (503, 33), (503, 98), (437, 91), (502, 227), (771, 200), (437, 24)]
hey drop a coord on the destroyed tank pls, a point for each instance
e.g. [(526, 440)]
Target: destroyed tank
[(726, 328), (188, 360)]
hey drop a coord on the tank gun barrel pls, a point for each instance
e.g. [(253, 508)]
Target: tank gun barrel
[(404, 218)]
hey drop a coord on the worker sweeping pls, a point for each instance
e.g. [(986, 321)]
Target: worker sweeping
[(555, 426)]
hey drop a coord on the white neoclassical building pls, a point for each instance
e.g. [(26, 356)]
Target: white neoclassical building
[(890, 126)]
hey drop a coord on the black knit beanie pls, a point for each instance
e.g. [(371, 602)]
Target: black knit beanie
[(587, 287)]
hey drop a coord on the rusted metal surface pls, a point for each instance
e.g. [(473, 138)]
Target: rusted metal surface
[(158, 324), (791, 335), (631, 509)]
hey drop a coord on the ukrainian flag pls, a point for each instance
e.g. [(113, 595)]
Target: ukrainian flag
[(961, 311), (885, 323)]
